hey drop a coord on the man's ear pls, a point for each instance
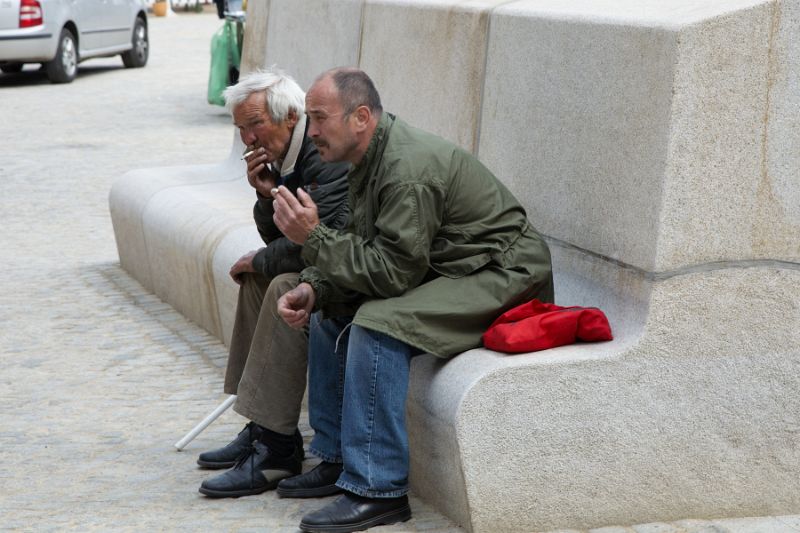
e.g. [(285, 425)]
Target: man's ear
[(362, 116), (291, 118)]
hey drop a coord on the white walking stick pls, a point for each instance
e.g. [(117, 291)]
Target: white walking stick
[(181, 444)]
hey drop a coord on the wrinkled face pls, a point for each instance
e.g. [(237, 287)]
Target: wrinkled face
[(330, 129), (257, 129)]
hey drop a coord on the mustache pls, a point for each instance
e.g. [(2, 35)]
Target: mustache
[(249, 149)]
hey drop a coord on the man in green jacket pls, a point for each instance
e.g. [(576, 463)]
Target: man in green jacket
[(436, 248)]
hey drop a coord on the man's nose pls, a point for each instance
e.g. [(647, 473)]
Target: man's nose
[(313, 131), (248, 137)]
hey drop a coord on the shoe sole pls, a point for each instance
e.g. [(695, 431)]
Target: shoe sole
[(316, 492), (215, 466), (271, 484), (392, 517)]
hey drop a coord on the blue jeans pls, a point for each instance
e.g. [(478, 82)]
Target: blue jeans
[(358, 381)]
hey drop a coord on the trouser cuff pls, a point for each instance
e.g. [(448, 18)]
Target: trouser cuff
[(367, 493)]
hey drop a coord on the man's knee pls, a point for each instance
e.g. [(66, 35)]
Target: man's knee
[(252, 284), (280, 285)]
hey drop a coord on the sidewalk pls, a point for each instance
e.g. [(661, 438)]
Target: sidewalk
[(100, 378)]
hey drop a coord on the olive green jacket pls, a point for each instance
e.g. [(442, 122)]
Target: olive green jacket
[(436, 247)]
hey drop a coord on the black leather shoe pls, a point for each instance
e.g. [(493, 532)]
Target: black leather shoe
[(351, 512), (226, 456), (320, 481), (254, 473)]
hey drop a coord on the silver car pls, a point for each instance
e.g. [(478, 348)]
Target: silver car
[(61, 33)]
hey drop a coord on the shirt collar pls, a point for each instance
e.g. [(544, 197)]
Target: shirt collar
[(286, 166)]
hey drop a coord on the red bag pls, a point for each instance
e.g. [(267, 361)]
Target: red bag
[(535, 326)]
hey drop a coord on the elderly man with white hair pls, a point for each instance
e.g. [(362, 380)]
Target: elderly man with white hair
[(267, 364)]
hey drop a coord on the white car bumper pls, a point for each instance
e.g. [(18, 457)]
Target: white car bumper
[(28, 45)]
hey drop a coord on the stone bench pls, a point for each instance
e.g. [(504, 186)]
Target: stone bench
[(657, 146), (176, 229)]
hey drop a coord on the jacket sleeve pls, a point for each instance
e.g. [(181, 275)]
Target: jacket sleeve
[(262, 214), (395, 260), (331, 198), (281, 255)]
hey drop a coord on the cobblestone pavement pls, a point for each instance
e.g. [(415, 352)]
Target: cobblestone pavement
[(100, 378)]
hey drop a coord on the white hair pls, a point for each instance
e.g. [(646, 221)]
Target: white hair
[(283, 93)]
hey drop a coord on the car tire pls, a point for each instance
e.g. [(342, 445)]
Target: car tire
[(64, 67), (12, 68), (136, 57)]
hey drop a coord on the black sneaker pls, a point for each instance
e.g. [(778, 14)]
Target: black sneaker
[(226, 456), (254, 473)]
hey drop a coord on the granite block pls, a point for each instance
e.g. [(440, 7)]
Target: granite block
[(570, 125), (660, 136), (427, 59), (131, 193), (306, 38), (182, 227)]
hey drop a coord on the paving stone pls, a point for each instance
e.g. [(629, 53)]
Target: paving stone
[(700, 526), (759, 525), (657, 527)]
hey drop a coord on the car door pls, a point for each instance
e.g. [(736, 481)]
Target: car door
[(87, 16), (117, 22)]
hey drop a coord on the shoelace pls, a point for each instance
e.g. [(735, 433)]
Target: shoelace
[(249, 428), (248, 453)]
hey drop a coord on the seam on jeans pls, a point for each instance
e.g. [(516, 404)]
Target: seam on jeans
[(327, 442), (342, 360), (374, 383)]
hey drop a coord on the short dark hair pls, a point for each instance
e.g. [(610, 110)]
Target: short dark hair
[(355, 89)]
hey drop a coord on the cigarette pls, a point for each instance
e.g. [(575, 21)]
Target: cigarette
[(248, 154)]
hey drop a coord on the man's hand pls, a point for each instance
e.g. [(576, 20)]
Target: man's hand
[(256, 163), (244, 264), (295, 306), (295, 217)]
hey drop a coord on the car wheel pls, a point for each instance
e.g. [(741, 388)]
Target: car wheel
[(137, 56), (11, 68), (64, 67)]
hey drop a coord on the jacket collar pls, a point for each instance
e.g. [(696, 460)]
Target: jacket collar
[(374, 153), (295, 144)]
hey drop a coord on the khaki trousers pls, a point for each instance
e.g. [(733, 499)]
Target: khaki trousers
[(268, 360)]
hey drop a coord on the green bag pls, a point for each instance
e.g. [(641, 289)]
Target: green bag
[(225, 60)]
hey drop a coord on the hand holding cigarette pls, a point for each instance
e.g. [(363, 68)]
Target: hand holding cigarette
[(257, 174), (295, 217)]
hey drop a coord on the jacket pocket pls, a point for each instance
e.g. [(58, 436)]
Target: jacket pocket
[(463, 266)]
